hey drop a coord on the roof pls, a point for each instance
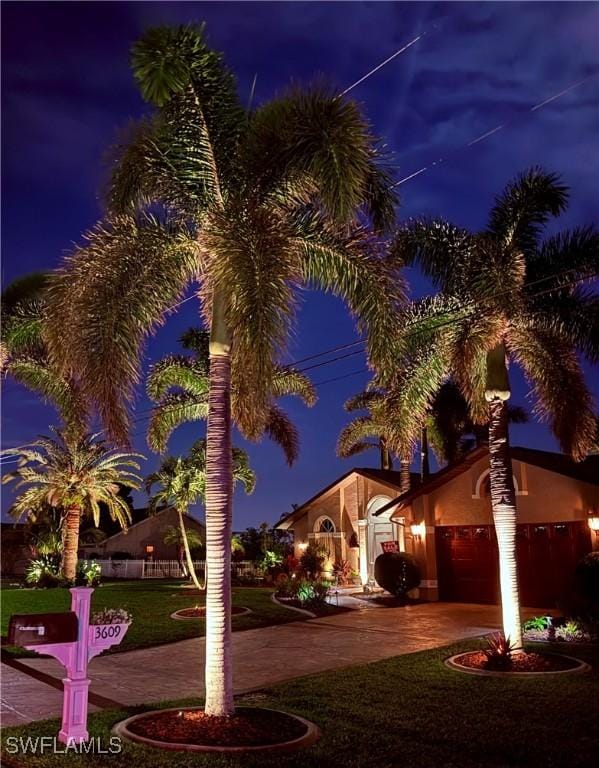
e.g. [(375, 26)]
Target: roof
[(122, 532), (586, 471), (388, 476)]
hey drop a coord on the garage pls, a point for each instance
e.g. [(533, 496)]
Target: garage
[(547, 553)]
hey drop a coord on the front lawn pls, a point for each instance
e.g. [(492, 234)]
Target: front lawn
[(409, 711), (151, 604)]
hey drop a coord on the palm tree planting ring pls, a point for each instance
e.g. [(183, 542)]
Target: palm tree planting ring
[(189, 614), (576, 667), (261, 728)]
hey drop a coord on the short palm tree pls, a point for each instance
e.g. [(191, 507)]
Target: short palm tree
[(507, 297), (24, 355), (75, 476), (179, 386), (255, 207), (181, 482)]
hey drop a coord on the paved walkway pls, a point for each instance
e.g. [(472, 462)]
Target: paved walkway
[(262, 657)]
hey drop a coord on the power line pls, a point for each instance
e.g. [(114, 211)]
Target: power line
[(493, 131)]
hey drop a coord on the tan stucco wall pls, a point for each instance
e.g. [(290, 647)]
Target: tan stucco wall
[(149, 531)]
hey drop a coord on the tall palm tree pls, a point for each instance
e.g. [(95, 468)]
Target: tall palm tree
[(179, 385), (253, 206), (507, 297), (182, 482), (24, 354), (74, 475)]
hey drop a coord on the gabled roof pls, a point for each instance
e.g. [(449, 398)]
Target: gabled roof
[(388, 476), (146, 519), (586, 471)]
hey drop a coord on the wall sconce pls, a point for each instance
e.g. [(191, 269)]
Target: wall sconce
[(594, 524), (418, 530), (149, 549), (303, 545)]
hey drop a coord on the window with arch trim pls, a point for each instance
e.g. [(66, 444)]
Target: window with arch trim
[(325, 525)]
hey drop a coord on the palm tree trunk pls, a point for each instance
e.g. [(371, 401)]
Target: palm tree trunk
[(188, 558), (71, 543), (219, 494), (404, 475), (386, 462), (425, 468), (503, 499)]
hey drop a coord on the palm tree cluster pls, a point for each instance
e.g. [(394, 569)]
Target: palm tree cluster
[(246, 209)]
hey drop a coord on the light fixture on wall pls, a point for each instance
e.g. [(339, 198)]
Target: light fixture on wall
[(418, 530), (302, 545), (594, 524)]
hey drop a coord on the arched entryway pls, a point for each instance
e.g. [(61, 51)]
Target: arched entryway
[(379, 528)]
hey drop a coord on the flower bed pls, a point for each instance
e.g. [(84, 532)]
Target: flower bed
[(477, 663), (545, 629), (199, 612), (249, 729)]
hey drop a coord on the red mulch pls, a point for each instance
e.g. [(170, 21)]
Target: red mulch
[(199, 613), (521, 662), (246, 728)]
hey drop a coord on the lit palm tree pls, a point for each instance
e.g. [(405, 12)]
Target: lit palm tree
[(506, 297), (179, 385), (253, 206), (182, 482), (24, 355), (258, 207), (76, 476)]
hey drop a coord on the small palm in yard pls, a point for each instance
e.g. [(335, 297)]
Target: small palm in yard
[(507, 296), (75, 476), (255, 207), (182, 482), (179, 384)]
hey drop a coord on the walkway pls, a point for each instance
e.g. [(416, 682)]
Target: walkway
[(262, 657)]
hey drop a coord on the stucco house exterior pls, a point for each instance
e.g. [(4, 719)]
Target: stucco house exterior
[(446, 523), (144, 539)]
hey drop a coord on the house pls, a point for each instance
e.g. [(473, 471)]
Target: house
[(446, 523), (145, 538)]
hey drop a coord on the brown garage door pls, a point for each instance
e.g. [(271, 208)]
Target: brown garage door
[(467, 561)]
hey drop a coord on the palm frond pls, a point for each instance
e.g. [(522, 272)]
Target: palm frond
[(574, 316), (557, 381), (176, 371), (174, 410), (282, 431), (110, 294), (525, 206), (289, 381), (354, 435)]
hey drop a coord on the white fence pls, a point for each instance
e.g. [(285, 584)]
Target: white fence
[(166, 569)]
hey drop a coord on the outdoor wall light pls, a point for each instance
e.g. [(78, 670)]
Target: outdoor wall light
[(594, 524), (418, 530), (303, 545)]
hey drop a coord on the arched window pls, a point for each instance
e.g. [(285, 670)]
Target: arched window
[(324, 525)]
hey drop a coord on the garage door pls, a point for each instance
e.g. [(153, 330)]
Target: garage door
[(547, 553)]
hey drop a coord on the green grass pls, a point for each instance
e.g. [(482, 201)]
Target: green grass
[(151, 604), (409, 711)]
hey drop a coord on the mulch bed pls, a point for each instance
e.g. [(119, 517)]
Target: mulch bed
[(521, 662), (318, 610), (200, 612), (246, 728), (386, 601)]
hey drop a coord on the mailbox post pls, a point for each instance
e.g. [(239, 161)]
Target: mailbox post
[(70, 639)]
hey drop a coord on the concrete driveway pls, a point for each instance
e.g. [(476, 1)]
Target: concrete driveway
[(262, 656)]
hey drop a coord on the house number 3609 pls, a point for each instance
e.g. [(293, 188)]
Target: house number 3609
[(105, 632)]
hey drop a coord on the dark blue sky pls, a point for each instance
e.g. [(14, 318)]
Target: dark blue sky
[(67, 88)]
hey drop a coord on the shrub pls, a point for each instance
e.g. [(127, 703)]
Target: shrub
[(89, 573), (537, 623), (43, 572), (312, 594), (499, 652), (286, 587), (111, 616), (397, 573), (342, 571), (290, 564), (312, 561)]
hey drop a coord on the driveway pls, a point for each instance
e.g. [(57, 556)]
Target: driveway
[(262, 657)]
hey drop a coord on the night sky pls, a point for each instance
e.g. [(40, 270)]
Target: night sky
[(67, 89)]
